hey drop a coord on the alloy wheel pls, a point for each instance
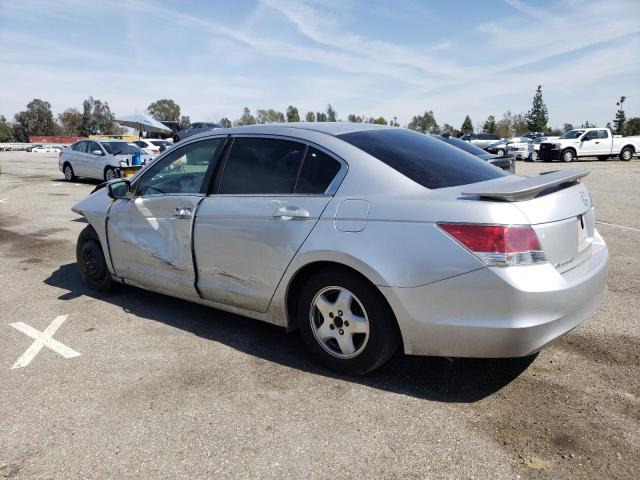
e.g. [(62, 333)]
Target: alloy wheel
[(68, 173), (339, 322)]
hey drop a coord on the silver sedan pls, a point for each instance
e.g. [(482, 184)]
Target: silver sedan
[(364, 238)]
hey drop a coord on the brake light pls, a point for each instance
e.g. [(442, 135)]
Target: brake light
[(498, 245)]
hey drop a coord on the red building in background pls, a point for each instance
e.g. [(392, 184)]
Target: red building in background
[(50, 139)]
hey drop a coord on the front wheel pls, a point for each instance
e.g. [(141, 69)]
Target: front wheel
[(568, 155), (500, 152), (626, 154), (110, 174), (346, 323), (93, 266)]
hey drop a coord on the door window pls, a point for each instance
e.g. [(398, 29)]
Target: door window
[(318, 171), (261, 166), (603, 134), (92, 146), (81, 147), (591, 135), (182, 171)]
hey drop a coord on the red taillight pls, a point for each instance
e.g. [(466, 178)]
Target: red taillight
[(499, 245)]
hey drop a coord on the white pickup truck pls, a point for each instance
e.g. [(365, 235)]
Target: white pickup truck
[(589, 142)]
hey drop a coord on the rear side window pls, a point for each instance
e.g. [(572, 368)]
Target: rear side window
[(261, 166), (318, 171), (425, 160), (603, 134), (80, 147)]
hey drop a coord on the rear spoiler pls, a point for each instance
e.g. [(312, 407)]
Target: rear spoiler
[(528, 187)]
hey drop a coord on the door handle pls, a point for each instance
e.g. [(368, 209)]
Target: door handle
[(290, 213), (182, 213)]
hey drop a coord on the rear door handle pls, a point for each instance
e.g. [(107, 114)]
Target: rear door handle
[(290, 213), (182, 213)]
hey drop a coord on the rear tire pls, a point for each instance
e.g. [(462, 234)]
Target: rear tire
[(69, 176), (346, 323), (91, 261), (626, 154), (500, 152), (568, 155), (534, 157)]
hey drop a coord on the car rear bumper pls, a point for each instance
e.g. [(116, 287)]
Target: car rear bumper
[(499, 312)]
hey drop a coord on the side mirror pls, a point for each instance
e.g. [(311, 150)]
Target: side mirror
[(120, 189), (97, 152)]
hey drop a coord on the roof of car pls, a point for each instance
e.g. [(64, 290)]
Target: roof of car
[(330, 128)]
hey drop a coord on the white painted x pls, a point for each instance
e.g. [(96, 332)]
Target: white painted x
[(42, 339)]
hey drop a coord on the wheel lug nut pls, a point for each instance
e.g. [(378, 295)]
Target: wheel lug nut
[(339, 313), (332, 326), (341, 331), (346, 323), (331, 315)]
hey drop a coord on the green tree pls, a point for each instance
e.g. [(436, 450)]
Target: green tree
[(504, 126), (225, 122), (425, 123), (37, 119), (490, 125), (567, 127), (394, 122), (353, 118), (380, 121), (292, 114), (321, 117), (246, 119), (310, 117), (520, 124), (164, 109), (6, 135), (97, 119), (450, 130), (632, 126), (537, 118), (618, 123), (70, 122), (332, 116), (588, 124), (269, 116), (467, 126)]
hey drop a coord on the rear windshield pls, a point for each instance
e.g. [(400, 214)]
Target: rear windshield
[(430, 162), (120, 148)]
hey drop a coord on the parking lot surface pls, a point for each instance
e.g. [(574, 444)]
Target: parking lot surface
[(162, 388)]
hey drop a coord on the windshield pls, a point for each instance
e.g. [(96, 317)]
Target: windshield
[(572, 134), (120, 148), (422, 158)]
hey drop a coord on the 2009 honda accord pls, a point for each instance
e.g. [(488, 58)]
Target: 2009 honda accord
[(365, 238)]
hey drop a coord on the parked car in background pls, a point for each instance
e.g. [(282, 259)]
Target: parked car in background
[(40, 148), (480, 139), (504, 162), (363, 237), (153, 146), (194, 129), (101, 159), (535, 144), (589, 142), (502, 147)]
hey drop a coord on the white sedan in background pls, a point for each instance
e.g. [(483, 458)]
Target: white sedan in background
[(153, 146), (42, 149), (99, 159)]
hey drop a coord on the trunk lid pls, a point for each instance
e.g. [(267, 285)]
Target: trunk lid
[(559, 208)]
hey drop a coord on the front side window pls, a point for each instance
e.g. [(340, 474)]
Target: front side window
[(181, 171), (92, 147), (261, 166), (424, 159), (590, 135)]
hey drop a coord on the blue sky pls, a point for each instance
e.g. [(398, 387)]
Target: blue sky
[(390, 58)]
